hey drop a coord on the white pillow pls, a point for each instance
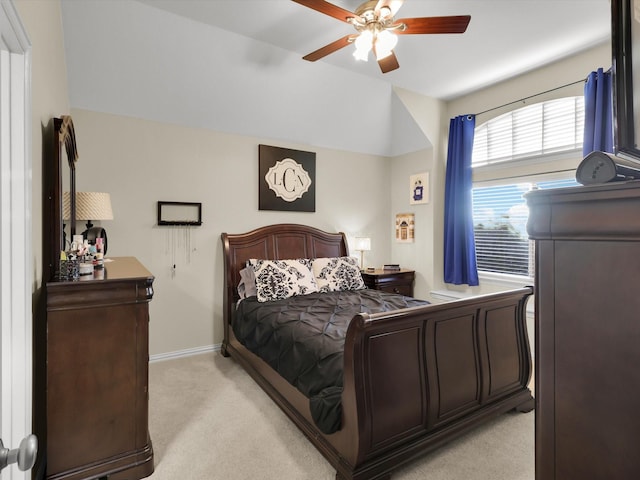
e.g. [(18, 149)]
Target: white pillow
[(337, 274), (280, 279)]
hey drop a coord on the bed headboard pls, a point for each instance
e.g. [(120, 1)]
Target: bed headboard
[(274, 242)]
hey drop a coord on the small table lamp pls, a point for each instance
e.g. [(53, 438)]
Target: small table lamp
[(363, 244), (90, 206)]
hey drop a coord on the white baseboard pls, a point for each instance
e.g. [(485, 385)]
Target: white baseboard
[(447, 295), (159, 357)]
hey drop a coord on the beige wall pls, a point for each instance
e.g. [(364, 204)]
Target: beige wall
[(424, 255), (141, 162), (43, 23), (418, 255)]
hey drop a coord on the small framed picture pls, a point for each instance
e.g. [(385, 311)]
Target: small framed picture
[(405, 228), (419, 188)]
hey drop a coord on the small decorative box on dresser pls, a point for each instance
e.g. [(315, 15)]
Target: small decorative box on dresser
[(92, 387), (587, 348), (393, 281)]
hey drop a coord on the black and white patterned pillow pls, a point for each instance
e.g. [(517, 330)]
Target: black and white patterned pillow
[(337, 274), (280, 279)]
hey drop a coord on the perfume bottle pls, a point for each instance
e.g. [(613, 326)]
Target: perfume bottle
[(99, 253)]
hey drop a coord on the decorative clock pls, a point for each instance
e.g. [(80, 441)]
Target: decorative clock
[(286, 179)]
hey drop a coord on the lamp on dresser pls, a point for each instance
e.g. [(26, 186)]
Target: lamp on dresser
[(90, 206), (363, 244)]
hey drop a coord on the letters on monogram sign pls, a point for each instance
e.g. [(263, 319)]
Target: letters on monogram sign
[(286, 179)]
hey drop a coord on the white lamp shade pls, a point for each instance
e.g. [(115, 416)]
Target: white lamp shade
[(363, 244), (89, 206), (363, 43), (385, 43)]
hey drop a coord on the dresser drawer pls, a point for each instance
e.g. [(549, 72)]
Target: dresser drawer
[(406, 290)]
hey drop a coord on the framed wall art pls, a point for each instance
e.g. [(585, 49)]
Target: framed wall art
[(286, 179), (419, 188), (405, 228)]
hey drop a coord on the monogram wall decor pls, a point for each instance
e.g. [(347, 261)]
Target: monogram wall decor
[(286, 179)]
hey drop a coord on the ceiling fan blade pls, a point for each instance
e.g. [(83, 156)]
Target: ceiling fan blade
[(453, 24), (388, 63), (327, 49), (328, 9), (392, 5)]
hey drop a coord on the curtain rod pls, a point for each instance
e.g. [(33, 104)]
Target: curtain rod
[(532, 96)]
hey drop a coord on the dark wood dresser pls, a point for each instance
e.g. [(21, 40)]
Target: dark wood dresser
[(393, 281), (587, 345), (95, 376)]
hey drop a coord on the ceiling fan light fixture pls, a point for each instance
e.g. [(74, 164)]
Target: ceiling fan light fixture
[(384, 12), (374, 20), (360, 54), (385, 42), (364, 43)]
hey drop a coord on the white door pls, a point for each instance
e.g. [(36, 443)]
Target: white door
[(16, 277)]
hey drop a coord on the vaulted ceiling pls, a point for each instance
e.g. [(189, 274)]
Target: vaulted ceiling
[(236, 66), (504, 37)]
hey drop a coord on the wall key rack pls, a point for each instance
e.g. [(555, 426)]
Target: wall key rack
[(179, 213)]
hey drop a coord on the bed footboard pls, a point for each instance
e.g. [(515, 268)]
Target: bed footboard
[(418, 377)]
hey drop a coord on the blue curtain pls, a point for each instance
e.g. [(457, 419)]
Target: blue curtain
[(459, 242), (598, 113)]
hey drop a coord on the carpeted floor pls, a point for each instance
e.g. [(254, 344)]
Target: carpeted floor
[(208, 420)]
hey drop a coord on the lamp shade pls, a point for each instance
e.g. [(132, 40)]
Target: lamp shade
[(89, 206), (385, 43), (364, 43), (363, 244)]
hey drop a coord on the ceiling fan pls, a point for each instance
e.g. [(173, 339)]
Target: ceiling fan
[(377, 29)]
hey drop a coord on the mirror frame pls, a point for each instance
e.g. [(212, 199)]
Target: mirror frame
[(625, 117), (64, 134)]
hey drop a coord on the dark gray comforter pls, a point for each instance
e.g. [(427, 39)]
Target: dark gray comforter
[(302, 338)]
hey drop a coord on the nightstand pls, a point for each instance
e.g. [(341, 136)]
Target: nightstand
[(392, 281)]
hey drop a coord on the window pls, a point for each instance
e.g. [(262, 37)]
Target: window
[(551, 130), (500, 215), (535, 130)]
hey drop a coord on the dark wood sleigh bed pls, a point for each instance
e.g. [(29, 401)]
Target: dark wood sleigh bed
[(413, 379)]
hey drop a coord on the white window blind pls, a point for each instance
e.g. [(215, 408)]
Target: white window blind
[(500, 212), (500, 215), (535, 130)]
